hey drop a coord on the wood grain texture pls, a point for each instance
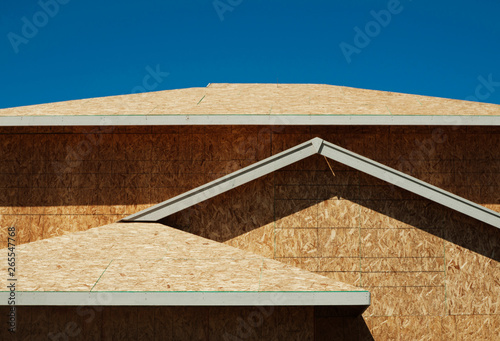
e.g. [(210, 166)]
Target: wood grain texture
[(153, 257), (421, 261), (93, 172), (400, 243), (261, 99), (393, 301), (169, 323)]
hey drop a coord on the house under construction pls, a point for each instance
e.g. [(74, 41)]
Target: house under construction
[(252, 211)]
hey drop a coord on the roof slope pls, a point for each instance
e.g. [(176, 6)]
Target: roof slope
[(259, 100), (141, 257)]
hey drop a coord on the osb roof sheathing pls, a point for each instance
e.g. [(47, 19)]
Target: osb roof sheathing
[(261, 99), (152, 257)]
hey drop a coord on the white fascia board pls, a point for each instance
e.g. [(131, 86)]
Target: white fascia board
[(410, 184), (189, 298), (333, 152), (172, 120)]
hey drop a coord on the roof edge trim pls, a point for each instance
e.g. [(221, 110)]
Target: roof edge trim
[(191, 298), (172, 120), (331, 151)]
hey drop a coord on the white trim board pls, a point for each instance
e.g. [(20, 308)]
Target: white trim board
[(300, 152), (166, 120), (189, 298)]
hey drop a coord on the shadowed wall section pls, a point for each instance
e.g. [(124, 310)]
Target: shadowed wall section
[(431, 271), (182, 323)]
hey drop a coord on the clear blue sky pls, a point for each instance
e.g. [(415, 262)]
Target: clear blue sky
[(81, 49)]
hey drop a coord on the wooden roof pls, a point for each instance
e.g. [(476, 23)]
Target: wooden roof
[(152, 257), (260, 99)]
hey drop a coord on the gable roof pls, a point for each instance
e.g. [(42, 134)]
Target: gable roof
[(264, 104), (153, 264), (302, 151)]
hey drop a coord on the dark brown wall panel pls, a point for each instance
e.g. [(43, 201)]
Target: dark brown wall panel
[(164, 323), (426, 266)]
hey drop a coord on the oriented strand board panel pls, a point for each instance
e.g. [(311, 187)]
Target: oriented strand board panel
[(166, 323), (422, 262), (153, 257), (58, 181), (438, 265), (472, 268), (261, 99)]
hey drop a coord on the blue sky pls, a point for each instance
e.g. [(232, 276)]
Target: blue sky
[(56, 50)]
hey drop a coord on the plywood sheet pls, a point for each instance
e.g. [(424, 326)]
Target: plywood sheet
[(472, 282), (40, 321), (296, 324), (106, 259), (165, 323), (403, 279), (259, 241), (349, 277), (231, 214), (400, 243), (402, 264), (261, 99), (403, 214), (407, 328), (339, 264), (394, 301), (340, 328), (338, 242), (312, 174), (477, 327), (181, 275), (57, 176), (339, 213), (296, 213), (274, 278), (306, 263), (404, 245), (296, 243)]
